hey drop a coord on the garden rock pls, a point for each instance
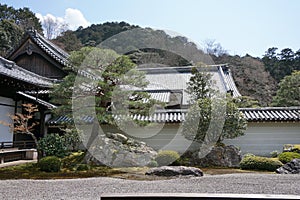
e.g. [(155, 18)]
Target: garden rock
[(175, 171), (292, 167), (118, 150), (227, 156)]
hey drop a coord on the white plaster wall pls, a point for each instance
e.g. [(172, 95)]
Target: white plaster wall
[(263, 138), (8, 108)]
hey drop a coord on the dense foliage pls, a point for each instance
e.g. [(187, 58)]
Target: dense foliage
[(111, 71), (286, 157), (68, 41), (73, 159), (13, 24), (200, 85), (50, 164), (96, 33), (259, 163), (53, 145), (204, 120), (288, 93), (281, 64)]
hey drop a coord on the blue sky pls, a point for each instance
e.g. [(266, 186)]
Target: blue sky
[(240, 26)]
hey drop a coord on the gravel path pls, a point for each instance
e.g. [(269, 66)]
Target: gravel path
[(92, 188)]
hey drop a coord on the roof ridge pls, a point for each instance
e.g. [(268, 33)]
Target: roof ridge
[(54, 46), (50, 48)]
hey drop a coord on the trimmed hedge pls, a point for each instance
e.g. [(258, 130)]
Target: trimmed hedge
[(166, 157), (50, 164), (260, 163), (286, 157)]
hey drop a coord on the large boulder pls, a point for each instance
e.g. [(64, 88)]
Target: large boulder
[(175, 171), (219, 156), (292, 167), (118, 150)]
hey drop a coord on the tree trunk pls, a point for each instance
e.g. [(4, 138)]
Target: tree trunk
[(34, 138)]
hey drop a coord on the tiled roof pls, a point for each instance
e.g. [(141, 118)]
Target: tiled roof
[(51, 49), (272, 114), (177, 78), (179, 115), (66, 120), (10, 69), (228, 81), (162, 96), (159, 116), (39, 101)]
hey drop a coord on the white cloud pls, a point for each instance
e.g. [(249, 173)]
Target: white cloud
[(75, 18)]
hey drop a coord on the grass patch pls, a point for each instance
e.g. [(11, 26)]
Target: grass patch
[(32, 171)]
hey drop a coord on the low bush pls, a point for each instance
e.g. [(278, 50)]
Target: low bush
[(274, 154), (82, 167), (50, 164), (260, 163), (152, 163), (73, 159), (167, 157), (53, 145), (286, 157)]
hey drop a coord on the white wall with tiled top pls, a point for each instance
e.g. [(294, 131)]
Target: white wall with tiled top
[(265, 137)]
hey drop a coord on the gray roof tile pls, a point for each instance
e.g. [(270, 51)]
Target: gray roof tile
[(39, 101), (51, 49), (272, 114), (10, 69), (177, 78)]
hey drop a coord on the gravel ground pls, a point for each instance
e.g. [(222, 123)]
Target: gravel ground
[(92, 188)]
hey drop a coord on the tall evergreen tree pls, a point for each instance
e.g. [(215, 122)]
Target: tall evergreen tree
[(206, 115)]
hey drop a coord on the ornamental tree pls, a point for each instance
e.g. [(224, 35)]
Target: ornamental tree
[(109, 72), (206, 114), (22, 122), (288, 93)]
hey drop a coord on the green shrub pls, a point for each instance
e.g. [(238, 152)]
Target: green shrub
[(286, 157), (166, 157), (50, 164), (260, 163), (72, 160), (82, 167), (248, 155), (274, 154), (53, 145), (71, 139), (152, 163)]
